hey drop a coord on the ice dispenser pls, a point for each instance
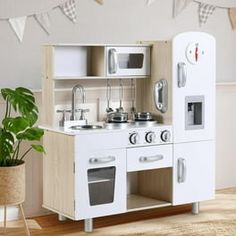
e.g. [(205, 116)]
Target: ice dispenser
[(194, 112)]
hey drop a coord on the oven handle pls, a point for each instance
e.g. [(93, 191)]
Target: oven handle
[(100, 160), (150, 158)]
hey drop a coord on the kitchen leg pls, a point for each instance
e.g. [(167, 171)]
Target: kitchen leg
[(195, 208), (61, 218), (88, 225), (5, 220)]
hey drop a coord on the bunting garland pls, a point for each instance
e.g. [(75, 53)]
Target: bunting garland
[(232, 17), (44, 21), (149, 2), (99, 1), (18, 25), (204, 10), (180, 5), (68, 7)]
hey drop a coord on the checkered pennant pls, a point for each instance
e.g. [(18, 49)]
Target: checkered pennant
[(69, 9), (205, 10)]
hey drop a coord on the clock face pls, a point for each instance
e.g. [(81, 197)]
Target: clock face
[(194, 53)]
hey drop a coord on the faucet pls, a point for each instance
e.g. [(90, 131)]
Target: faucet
[(73, 107)]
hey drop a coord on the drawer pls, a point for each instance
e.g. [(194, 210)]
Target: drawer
[(146, 158)]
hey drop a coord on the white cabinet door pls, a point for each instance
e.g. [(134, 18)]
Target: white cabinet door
[(100, 182), (194, 172)]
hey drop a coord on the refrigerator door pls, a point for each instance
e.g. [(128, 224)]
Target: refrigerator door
[(193, 172), (193, 73)]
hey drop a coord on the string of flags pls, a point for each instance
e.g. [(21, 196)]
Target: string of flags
[(68, 7), (204, 10)]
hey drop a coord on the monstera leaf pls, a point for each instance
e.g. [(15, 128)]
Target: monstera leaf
[(15, 125), (19, 127), (6, 144), (22, 101), (31, 134)]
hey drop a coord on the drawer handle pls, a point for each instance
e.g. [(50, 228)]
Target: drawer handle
[(99, 160), (151, 158)]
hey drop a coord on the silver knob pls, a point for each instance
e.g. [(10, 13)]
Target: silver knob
[(165, 136), (150, 137), (133, 138)]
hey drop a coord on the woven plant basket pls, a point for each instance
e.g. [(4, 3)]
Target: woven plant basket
[(12, 185)]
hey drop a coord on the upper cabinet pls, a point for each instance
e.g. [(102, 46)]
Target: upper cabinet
[(97, 61)]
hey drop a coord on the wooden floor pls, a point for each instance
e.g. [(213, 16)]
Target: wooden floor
[(49, 225), (218, 215)]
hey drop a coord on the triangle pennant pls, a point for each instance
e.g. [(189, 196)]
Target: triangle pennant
[(44, 21), (99, 1), (149, 2), (232, 17), (18, 25), (205, 10), (179, 6), (69, 9)]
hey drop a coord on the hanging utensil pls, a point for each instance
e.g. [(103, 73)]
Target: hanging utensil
[(133, 110), (121, 93), (108, 97)]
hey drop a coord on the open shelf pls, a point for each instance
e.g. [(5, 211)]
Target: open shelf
[(137, 202)]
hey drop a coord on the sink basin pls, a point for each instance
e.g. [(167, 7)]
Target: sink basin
[(85, 127)]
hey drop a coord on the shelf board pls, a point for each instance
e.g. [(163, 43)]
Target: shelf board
[(63, 78), (137, 202)]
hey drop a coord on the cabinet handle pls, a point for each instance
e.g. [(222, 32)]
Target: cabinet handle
[(99, 160), (112, 61), (161, 95), (150, 158), (182, 74), (182, 168)]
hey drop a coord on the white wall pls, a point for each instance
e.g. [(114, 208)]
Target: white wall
[(116, 21)]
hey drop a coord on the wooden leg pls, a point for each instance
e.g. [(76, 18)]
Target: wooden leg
[(25, 223), (5, 219)]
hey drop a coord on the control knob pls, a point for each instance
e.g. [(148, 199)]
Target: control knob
[(133, 138), (150, 137), (165, 136)]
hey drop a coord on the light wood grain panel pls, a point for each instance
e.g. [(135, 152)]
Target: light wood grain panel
[(138, 202), (48, 85), (161, 68), (97, 61), (156, 184), (58, 172)]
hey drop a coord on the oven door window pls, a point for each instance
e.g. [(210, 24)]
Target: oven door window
[(101, 183), (130, 60)]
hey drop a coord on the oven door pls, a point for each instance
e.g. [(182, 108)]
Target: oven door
[(100, 188), (128, 61)]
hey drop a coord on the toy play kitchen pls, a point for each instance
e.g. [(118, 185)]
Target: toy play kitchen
[(157, 153)]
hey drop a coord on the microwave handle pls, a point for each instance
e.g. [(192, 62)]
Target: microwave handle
[(161, 95), (182, 74), (112, 61)]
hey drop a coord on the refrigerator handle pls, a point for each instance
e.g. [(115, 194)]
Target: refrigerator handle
[(182, 74), (182, 169), (161, 95), (112, 61)]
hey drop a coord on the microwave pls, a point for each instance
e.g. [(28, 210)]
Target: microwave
[(125, 61)]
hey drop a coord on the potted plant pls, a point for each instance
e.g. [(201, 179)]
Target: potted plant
[(17, 127)]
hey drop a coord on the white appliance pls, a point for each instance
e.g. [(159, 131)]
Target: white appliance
[(127, 61), (183, 84)]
